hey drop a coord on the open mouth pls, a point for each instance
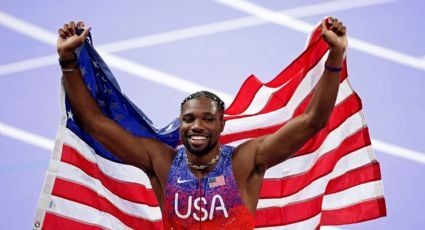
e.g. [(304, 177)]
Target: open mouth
[(197, 139)]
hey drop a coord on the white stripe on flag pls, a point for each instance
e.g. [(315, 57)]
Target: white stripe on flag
[(84, 214), (126, 172), (76, 175), (261, 98), (353, 195), (355, 160), (303, 163)]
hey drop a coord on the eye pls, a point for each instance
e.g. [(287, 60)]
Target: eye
[(187, 119), (209, 119)]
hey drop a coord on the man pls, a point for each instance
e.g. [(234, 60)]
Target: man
[(204, 185)]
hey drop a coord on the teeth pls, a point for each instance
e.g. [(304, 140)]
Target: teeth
[(198, 138)]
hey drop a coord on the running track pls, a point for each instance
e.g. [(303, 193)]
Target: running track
[(211, 44)]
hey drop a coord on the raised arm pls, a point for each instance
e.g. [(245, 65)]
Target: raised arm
[(277, 147), (141, 152)]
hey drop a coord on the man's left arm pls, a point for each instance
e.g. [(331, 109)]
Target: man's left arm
[(279, 146)]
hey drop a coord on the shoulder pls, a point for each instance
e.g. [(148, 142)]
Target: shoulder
[(245, 156), (160, 155)]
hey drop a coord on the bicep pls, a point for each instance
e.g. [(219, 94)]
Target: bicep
[(126, 146), (279, 146)]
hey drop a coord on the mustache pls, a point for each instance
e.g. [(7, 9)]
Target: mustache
[(201, 133)]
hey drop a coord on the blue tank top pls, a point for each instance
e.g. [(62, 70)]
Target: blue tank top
[(212, 202)]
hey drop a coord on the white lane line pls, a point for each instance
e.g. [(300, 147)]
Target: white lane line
[(159, 77), (301, 26), (122, 64), (117, 62), (26, 28), (329, 228), (27, 137), (399, 151), (191, 32), (234, 24), (28, 64)]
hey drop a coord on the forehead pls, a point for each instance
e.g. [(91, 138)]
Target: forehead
[(199, 105)]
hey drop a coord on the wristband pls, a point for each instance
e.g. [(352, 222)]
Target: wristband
[(69, 63), (333, 68), (68, 70)]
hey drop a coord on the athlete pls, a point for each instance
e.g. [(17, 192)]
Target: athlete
[(205, 184)]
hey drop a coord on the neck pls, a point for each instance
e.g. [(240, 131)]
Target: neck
[(195, 159), (200, 165)]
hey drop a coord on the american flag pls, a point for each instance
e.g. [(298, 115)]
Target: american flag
[(334, 179), (216, 181)]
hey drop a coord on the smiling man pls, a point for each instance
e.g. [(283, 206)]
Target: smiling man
[(205, 184)]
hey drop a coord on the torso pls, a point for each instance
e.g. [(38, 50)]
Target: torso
[(211, 202)]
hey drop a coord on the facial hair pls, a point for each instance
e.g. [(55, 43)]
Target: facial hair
[(199, 152)]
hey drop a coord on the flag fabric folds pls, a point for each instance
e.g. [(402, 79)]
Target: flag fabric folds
[(334, 179)]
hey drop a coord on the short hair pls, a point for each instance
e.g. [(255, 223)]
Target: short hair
[(208, 95)]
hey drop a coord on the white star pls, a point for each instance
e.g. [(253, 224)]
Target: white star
[(95, 64), (70, 115), (101, 103), (83, 71)]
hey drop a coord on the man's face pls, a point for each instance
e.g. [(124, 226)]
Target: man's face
[(201, 125)]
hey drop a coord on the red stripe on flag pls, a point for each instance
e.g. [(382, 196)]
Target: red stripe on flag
[(253, 84), (54, 222), (276, 188), (83, 195), (288, 214), (299, 67), (364, 174), (363, 211), (340, 113), (130, 191)]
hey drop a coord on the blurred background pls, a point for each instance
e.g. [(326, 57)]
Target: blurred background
[(211, 44)]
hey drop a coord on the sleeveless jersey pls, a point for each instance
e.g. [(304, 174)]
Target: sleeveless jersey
[(212, 202)]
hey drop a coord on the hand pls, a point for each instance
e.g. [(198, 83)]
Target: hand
[(334, 33), (68, 39)]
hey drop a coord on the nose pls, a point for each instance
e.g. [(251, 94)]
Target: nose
[(197, 125)]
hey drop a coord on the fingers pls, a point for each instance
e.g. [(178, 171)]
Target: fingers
[(334, 25), (70, 29), (80, 24), (337, 27)]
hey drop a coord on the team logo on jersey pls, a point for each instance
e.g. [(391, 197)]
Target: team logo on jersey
[(196, 208)]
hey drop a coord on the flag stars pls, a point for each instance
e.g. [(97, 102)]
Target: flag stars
[(101, 103), (70, 115), (108, 91), (95, 64), (114, 105), (83, 71), (119, 117)]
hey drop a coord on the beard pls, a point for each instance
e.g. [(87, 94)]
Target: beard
[(201, 151)]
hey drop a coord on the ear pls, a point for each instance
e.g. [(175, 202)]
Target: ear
[(222, 123)]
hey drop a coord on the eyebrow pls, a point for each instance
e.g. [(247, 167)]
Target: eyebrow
[(204, 113)]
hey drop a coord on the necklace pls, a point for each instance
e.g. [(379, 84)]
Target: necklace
[(204, 166)]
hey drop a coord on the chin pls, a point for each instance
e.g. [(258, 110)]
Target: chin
[(198, 151)]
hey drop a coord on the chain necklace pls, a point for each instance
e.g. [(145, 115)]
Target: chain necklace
[(204, 166)]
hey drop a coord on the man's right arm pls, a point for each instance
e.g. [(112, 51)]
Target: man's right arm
[(129, 148)]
